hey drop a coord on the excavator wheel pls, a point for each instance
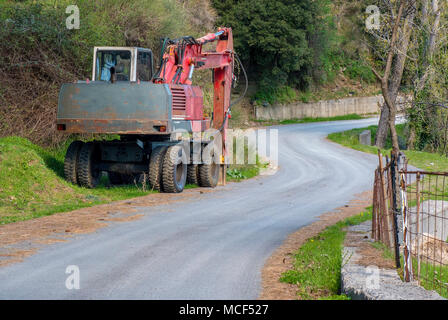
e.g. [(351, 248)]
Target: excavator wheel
[(208, 172), (192, 174), (155, 167), (71, 161), (174, 169), (88, 172)]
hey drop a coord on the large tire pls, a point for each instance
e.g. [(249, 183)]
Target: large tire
[(156, 167), (71, 162), (174, 169), (88, 173), (208, 172), (192, 174)]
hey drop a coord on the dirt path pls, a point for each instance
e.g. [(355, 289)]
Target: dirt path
[(22, 239)]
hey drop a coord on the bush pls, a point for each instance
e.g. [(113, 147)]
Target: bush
[(356, 70), (283, 94)]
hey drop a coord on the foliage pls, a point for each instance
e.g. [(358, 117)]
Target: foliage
[(276, 38), (428, 113), (295, 44), (283, 94), (358, 70), (352, 116), (235, 174)]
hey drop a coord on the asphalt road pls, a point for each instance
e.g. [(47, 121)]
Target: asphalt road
[(211, 248)]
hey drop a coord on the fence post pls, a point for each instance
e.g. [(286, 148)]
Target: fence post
[(418, 226), (406, 235), (394, 177), (375, 207), (383, 199)]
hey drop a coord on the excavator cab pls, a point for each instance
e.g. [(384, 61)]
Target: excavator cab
[(132, 64)]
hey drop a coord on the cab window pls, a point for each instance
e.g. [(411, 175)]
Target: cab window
[(144, 66), (113, 63)]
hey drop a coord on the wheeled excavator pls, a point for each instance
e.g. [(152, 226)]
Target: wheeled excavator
[(159, 116)]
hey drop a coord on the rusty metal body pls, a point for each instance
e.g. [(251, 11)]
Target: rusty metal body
[(130, 108)]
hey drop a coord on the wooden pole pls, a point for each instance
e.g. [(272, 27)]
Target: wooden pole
[(387, 224)]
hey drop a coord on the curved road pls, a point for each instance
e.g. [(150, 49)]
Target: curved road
[(213, 248)]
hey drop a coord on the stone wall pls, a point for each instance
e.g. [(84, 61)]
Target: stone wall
[(321, 109)]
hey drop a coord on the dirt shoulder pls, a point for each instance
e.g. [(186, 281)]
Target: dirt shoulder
[(282, 259), (21, 239)]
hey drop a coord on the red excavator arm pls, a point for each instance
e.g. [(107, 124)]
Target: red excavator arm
[(182, 56)]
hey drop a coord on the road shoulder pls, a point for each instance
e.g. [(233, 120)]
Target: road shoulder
[(282, 258)]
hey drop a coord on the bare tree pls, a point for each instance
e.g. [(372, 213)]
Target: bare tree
[(398, 67), (390, 78)]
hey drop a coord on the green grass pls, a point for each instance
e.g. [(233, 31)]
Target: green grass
[(386, 252), (32, 183), (317, 264), (238, 172), (422, 160), (352, 116), (432, 277)]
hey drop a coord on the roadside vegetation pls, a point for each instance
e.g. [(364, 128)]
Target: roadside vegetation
[(420, 159), (317, 263), (32, 182), (426, 270)]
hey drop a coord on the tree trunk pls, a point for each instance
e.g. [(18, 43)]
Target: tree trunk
[(393, 131), (383, 127), (394, 82)]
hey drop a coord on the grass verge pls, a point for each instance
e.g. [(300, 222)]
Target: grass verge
[(32, 183), (317, 264), (432, 277), (422, 160), (236, 173)]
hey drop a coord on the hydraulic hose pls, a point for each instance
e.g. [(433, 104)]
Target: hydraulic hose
[(240, 97)]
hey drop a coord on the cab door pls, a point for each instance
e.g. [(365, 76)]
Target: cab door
[(145, 68)]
